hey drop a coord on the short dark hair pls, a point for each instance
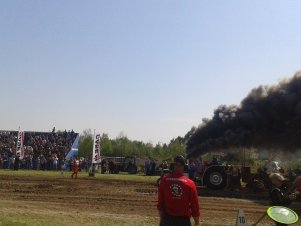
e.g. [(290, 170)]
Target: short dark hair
[(180, 159)]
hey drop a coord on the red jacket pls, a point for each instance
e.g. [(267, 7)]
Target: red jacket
[(75, 167), (178, 196)]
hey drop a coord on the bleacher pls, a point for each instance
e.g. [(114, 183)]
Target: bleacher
[(43, 150)]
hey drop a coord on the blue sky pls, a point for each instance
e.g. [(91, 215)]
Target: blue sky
[(150, 69)]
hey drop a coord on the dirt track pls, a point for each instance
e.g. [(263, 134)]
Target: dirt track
[(96, 198)]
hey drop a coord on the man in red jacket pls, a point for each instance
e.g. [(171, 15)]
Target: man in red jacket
[(75, 168), (178, 198)]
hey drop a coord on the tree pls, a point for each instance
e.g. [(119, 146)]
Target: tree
[(106, 146), (86, 143), (121, 146)]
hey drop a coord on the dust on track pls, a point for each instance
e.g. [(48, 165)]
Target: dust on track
[(114, 199)]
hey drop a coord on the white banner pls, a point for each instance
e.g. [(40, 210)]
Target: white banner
[(96, 148), (20, 146)]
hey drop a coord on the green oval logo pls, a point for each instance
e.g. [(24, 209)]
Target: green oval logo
[(282, 215)]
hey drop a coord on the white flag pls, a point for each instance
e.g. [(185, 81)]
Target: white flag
[(20, 145), (96, 148)]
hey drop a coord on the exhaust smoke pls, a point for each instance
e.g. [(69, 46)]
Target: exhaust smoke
[(268, 118)]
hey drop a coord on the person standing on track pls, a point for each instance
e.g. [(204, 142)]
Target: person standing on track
[(178, 198), (278, 197), (75, 168)]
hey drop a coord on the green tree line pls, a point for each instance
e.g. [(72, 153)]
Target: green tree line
[(122, 146)]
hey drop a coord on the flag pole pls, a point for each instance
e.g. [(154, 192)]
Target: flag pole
[(16, 150), (92, 170), (93, 147)]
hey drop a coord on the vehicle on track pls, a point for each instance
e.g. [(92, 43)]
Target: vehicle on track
[(121, 164)]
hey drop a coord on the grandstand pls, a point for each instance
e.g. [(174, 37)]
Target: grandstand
[(43, 150)]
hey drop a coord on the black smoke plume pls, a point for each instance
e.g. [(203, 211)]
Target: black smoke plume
[(269, 117)]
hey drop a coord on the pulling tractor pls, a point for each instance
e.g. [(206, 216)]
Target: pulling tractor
[(214, 176)]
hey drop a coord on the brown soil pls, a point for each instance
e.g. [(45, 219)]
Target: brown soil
[(118, 198)]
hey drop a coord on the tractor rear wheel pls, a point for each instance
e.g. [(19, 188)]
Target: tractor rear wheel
[(215, 178)]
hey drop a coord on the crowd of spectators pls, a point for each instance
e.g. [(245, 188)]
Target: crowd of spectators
[(42, 150)]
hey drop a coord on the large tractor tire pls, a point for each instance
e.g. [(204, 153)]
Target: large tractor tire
[(215, 178)]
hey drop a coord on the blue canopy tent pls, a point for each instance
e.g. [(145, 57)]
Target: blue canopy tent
[(72, 153)]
